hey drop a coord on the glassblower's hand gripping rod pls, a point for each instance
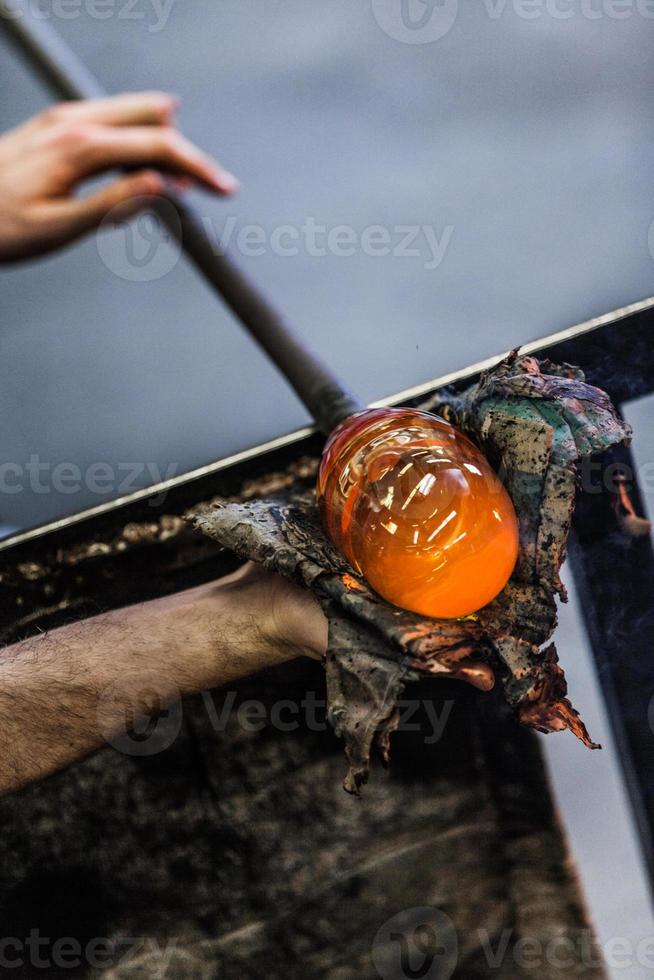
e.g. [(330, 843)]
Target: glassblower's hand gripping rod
[(323, 394)]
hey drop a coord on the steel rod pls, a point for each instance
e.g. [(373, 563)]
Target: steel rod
[(328, 400)]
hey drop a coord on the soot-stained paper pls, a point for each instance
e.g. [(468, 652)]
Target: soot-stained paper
[(535, 421)]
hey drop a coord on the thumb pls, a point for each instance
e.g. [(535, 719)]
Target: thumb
[(77, 215)]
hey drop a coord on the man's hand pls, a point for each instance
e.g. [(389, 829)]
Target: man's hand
[(64, 694), (43, 161)]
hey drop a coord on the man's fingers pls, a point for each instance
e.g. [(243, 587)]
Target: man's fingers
[(128, 109), (71, 217), (43, 162), (157, 146)]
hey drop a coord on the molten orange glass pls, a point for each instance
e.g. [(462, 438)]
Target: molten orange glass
[(418, 511)]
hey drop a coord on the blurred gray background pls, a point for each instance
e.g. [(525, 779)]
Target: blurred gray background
[(523, 143)]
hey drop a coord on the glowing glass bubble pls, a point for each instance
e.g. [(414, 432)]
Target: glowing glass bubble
[(416, 509)]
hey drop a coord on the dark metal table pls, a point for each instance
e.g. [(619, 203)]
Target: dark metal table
[(140, 547)]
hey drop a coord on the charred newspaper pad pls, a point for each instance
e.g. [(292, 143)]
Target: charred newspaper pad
[(536, 422)]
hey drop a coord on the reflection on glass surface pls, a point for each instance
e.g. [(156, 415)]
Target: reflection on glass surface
[(418, 511)]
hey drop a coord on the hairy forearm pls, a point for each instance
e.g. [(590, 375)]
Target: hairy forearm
[(64, 693)]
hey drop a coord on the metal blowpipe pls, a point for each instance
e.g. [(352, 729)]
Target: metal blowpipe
[(324, 395), (409, 500)]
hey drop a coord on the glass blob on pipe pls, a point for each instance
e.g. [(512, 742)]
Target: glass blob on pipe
[(417, 510)]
